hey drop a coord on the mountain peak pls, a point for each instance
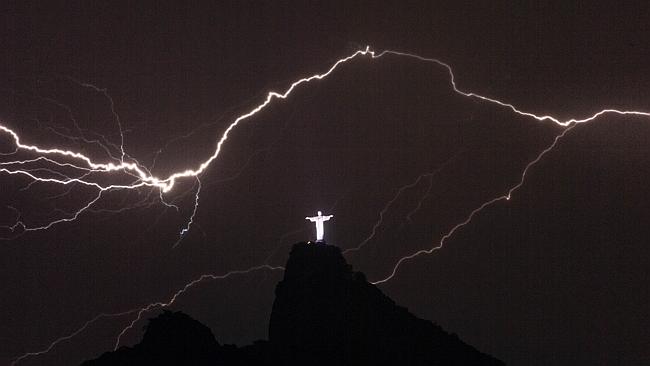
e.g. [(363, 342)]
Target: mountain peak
[(323, 313), (309, 260)]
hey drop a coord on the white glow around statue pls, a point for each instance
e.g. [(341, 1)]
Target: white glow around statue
[(320, 230)]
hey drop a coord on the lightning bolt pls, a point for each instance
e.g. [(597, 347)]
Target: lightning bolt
[(452, 81), (144, 178), (71, 335), (186, 229), (473, 213)]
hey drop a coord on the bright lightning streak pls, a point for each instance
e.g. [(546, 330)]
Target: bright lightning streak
[(168, 183), (569, 124), (145, 179), (452, 81), (187, 227)]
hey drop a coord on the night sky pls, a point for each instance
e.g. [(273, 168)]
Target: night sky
[(557, 275)]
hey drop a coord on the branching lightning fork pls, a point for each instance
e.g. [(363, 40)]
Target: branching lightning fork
[(473, 213), (144, 178)]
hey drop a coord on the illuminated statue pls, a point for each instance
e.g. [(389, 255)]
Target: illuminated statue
[(319, 224)]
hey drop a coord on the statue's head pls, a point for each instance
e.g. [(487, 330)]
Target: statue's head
[(320, 213)]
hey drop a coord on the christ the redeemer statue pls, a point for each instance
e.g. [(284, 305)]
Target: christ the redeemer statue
[(319, 224)]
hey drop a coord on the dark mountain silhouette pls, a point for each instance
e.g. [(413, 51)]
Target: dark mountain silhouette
[(171, 338), (324, 313)]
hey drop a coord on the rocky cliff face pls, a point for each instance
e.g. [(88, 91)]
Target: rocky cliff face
[(324, 313)]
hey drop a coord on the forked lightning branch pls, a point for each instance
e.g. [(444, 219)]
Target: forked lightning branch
[(60, 161)]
